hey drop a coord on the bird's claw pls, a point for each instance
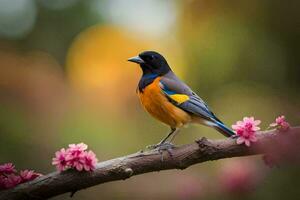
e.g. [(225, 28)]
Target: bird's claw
[(163, 146), (167, 146), (151, 147)]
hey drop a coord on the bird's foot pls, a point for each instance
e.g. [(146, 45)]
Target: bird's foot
[(161, 147), (151, 147)]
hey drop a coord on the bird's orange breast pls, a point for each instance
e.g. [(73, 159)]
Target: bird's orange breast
[(157, 104)]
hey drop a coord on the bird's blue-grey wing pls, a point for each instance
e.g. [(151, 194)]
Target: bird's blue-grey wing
[(183, 97)]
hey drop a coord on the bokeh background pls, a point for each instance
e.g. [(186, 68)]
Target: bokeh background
[(64, 79)]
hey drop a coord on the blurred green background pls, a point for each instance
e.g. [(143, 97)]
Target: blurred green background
[(64, 79)]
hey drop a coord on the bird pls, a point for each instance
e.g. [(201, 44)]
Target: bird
[(170, 100)]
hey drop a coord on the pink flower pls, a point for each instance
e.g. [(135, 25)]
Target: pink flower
[(77, 149), (75, 157), (76, 162), (11, 181), (9, 177), (280, 124), (28, 175), (246, 130), (60, 160), (90, 161), (7, 168), (2, 182)]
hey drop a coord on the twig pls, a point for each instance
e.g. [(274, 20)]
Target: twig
[(125, 167)]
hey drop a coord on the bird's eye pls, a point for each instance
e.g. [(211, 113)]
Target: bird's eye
[(151, 57)]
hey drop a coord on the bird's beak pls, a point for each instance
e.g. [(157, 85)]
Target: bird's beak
[(136, 59)]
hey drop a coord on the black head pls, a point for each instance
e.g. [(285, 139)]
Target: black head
[(151, 62)]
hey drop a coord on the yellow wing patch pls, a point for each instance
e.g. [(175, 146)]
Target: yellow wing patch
[(179, 98)]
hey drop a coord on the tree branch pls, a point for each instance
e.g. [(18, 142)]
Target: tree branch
[(122, 168)]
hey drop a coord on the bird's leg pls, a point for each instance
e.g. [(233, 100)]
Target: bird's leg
[(163, 144), (167, 145), (173, 130), (174, 135)]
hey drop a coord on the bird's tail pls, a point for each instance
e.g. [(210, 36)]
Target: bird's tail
[(222, 128)]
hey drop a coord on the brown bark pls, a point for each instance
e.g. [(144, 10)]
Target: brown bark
[(124, 167)]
